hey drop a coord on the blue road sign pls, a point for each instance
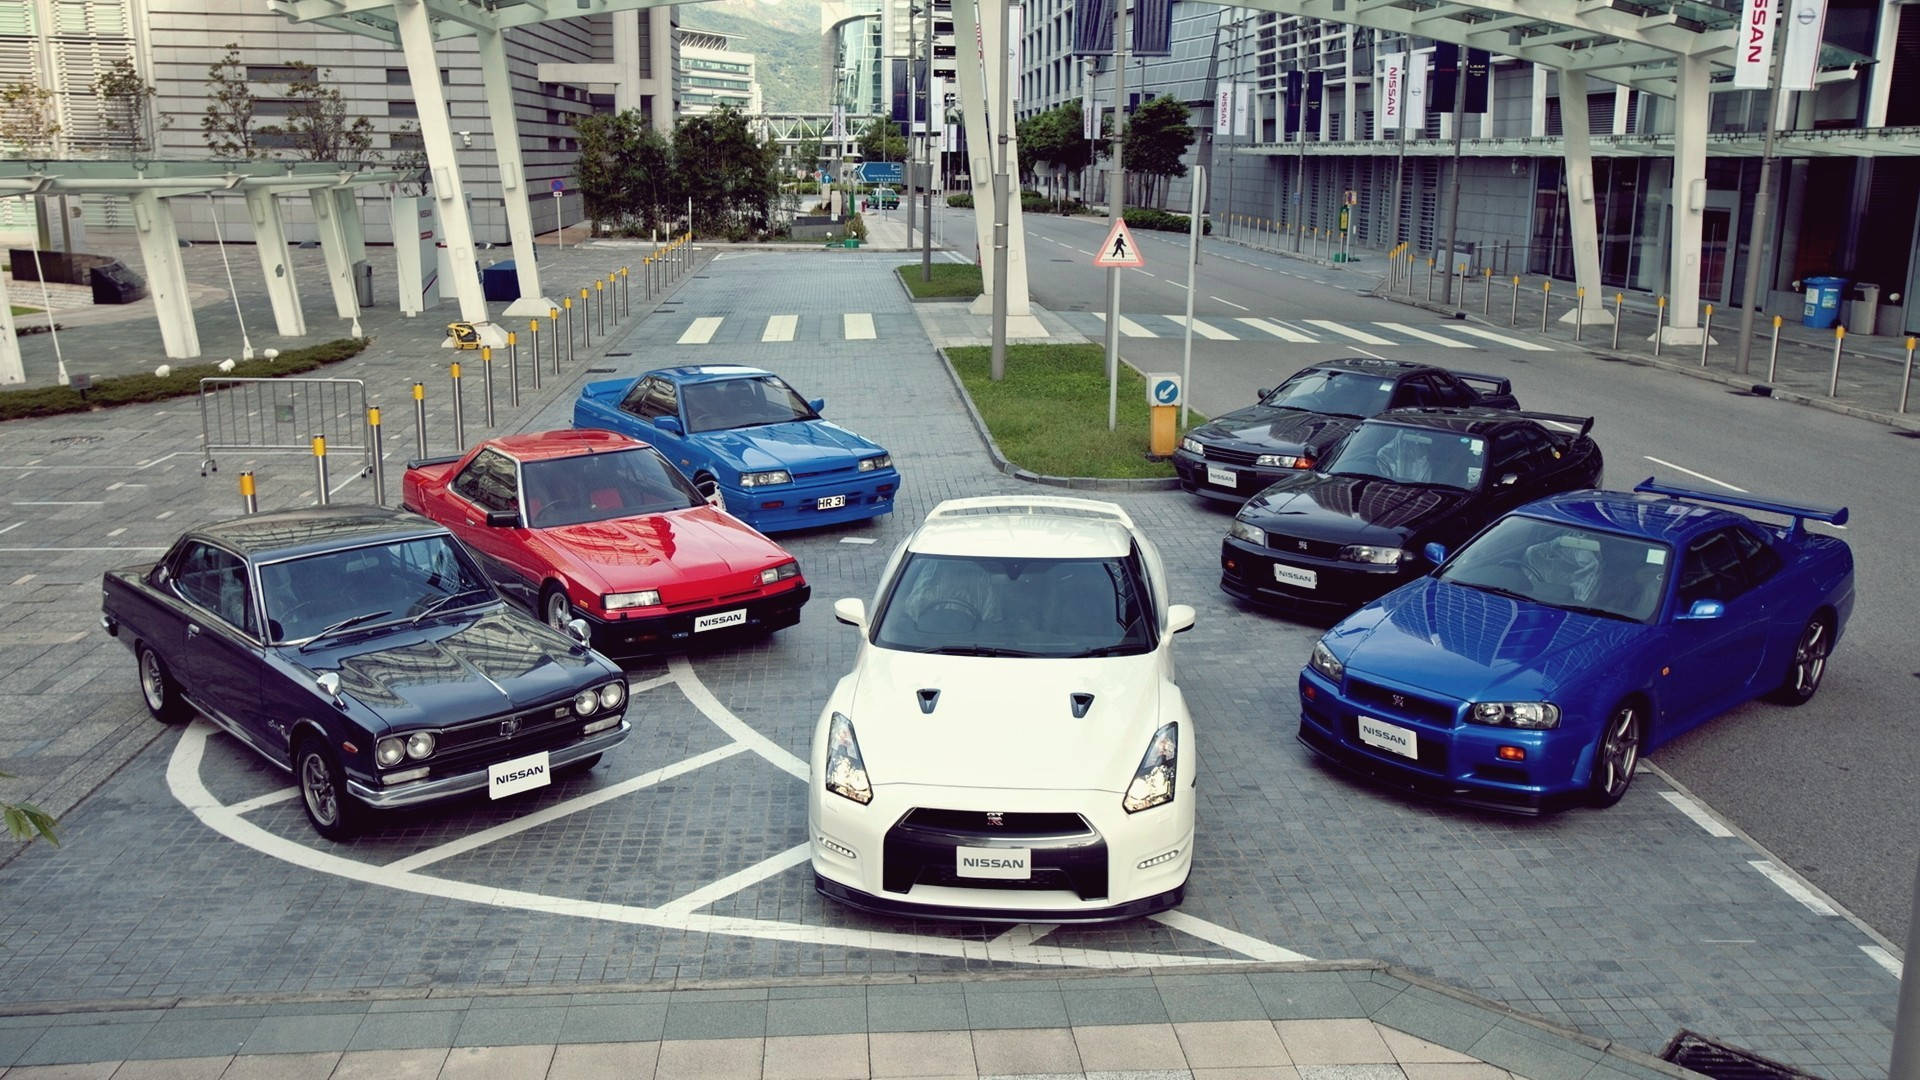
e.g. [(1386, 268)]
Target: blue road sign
[(559, 186), (883, 172), (1164, 388)]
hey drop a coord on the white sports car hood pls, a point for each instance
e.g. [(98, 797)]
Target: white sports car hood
[(1004, 723)]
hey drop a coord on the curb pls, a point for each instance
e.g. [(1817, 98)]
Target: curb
[(1008, 468)]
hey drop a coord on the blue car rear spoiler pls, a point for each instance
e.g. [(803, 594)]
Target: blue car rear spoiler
[(1799, 514)]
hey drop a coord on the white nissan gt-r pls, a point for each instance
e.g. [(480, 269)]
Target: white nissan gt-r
[(1010, 745)]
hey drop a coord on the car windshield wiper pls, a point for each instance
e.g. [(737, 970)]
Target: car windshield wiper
[(979, 650), (1602, 613), (1494, 589), (351, 620), (443, 601), (1125, 648)]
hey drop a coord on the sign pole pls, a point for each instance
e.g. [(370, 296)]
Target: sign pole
[(1193, 269), (1757, 231), (1453, 187), (1002, 182), (559, 224), (1116, 208)]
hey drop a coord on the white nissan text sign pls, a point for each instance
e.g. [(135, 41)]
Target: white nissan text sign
[(1393, 78), (1753, 50), (1223, 109)]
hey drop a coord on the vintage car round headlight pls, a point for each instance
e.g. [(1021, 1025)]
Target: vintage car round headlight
[(390, 751), (586, 701), (612, 694), (420, 744)]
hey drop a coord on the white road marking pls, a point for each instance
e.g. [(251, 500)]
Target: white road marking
[(701, 332), (110, 535), (1204, 329), (1229, 303), (858, 326), (1220, 935), (1277, 330), (723, 718), (1512, 342), (733, 883), (780, 328), (271, 798), (1791, 886), (1085, 252), (1375, 355), (35, 463), (1415, 332), (12, 527), (1360, 336), (858, 540), (1885, 959), (23, 579), (163, 515), (1695, 475), (45, 502), (1697, 813), (1127, 326)]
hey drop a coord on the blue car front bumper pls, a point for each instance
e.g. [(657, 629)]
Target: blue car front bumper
[(799, 505)]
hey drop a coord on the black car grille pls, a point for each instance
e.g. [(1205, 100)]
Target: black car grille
[(524, 728), (1319, 549), (1066, 852), (1433, 754), (1231, 457), (997, 826), (1399, 703)]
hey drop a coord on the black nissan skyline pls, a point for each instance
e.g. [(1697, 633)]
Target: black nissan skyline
[(362, 650), (1355, 526), (1293, 425)]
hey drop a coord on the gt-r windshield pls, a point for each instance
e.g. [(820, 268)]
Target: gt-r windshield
[(307, 596), (1335, 393), (1584, 570), (1056, 608), (599, 487), (745, 402), (1410, 455)]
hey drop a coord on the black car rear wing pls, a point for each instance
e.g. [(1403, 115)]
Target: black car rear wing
[(1584, 424), (1799, 514), (1500, 385)]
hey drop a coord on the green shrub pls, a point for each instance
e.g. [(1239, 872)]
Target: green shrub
[(964, 199), (1143, 217), (181, 381)]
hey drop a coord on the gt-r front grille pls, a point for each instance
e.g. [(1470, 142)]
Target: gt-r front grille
[(1391, 703), (1294, 545), (1067, 853), (998, 825), (1231, 457)]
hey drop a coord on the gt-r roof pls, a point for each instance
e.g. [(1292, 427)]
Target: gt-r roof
[(698, 373), (1041, 527), (569, 442), (1372, 365), (1651, 517), (287, 533)]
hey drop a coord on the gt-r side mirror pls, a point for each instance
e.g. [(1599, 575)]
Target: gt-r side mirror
[(503, 519), (668, 424), (851, 610), (1179, 618), (1435, 553), (1509, 479), (1704, 609), (818, 404), (1261, 394)]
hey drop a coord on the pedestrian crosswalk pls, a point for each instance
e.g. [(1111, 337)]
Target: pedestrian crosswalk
[(774, 329), (1317, 331)]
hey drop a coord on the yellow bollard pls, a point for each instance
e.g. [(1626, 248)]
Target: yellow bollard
[(419, 420), (376, 452), (320, 468), (1833, 380), (1659, 323), (247, 498), (1546, 291)]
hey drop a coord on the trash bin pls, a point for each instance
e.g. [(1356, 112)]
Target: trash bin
[(1823, 302), (1864, 309), (363, 283), (501, 281)]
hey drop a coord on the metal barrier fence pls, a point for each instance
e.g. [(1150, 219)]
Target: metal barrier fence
[(282, 416)]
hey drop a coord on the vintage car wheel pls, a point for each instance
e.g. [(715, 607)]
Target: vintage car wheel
[(1809, 664), (555, 609), (1618, 755), (158, 689), (323, 790)]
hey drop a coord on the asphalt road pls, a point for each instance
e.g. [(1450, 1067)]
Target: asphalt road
[(1829, 787)]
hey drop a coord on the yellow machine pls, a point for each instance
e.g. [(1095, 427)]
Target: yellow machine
[(464, 335)]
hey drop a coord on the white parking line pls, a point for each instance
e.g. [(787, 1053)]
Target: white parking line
[(701, 332), (858, 540), (12, 527), (271, 798), (1232, 939), (1278, 330), (1697, 813), (1695, 475), (857, 326), (1415, 332), (1512, 342), (723, 718), (780, 328), (44, 502), (1885, 959), (733, 883), (1791, 886)]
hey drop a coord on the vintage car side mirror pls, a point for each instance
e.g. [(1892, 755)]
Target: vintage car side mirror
[(1261, 394), (329, 684), (579, 631), (1435, 553), (669, 424), (503, 519), (1509, 479)]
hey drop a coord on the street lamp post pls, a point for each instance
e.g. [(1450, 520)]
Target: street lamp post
[(926, 156), (1002, 185)]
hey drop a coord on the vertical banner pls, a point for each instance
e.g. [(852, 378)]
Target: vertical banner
[(1753, 53), (1242, 108), (1223, 108), (1093, 27), (1316, 95), (1089, 112), (1444, 76), (1393, 90), (1016, 26), (1800, 56), (898, 109), (1416, 94), (1479, 78), (1295, 92), (839, 123), (1152, 33)]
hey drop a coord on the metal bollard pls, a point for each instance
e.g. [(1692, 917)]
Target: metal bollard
[(320, 468), (567, 303), (1618, 298), (626, 292), (1906, 379), (1659, 323), (1429, 277), (586, 318), (1486, 290), (1706, 335), (553, 337), (1773, 351), (513, 367), (252, 504), (600, 306), (459, 414), (1513, 315), (419, 420), (379, 465), (486, 371), (1579, 311), (1546, 294), (1833, 380)]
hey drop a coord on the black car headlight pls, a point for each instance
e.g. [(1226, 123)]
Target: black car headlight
[(613, 694), (1252, 534), (1153, 781), (1192, 446), (779, 573), (762, 479), (421, 744), (1284, 461), (1374, 555), (846, 770), (390, 751), (884, 461), (586, 702), (1323, 661), (1533, 715)]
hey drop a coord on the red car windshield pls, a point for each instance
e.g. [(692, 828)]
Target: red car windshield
[(599, 487)]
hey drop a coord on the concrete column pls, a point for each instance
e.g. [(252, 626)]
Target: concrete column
[(166, 277), (333, 245), (1537, 115), (270, 240), (12, 371), (976, 96), (350, 227), (1689, 197), (498, 81), (1580, 201), (1018, 304), (1621, 97), (436, 134)]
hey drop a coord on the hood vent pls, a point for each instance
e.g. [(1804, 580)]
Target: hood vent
[(1081, 703), (928, 699)]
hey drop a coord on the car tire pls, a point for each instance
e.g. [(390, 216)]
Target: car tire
[(555, 609), (331, 811), (157, 688), (583, 765), (1616, 757), (1809, 663)]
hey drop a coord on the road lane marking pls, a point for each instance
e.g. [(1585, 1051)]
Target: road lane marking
[(1278, 331), (722, 717), (271, 798), (1127, 326), (110, 535), (1085, 252), (1791, 886), (780, 328), (1885, 959), (1360, 336), (1375, 355), (47, 502), (857, 326), (701, 332), (1697, 813), (1415, 332), (1205, 330), (1220, 935), (1512, 342), (12, 527), (1695, 475), (23, 579), (1229, 303), (858, 540), (733, 883)]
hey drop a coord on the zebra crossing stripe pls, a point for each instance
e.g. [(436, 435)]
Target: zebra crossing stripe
[(780, 328), (1127, 326), (1360, 336), (701, 331), (1403, 328), (1205, 330), (1278, 331), (1502, 339), (857, 326)]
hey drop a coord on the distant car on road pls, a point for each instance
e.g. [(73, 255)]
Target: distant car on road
[(1538, 663), (363, 651), (1010, 744), (598, 526), (1352, 527), (743, 431), (884, 198), (1292, 426)]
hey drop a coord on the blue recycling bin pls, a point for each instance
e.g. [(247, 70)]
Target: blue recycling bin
[(1822, 310), (502, 282)]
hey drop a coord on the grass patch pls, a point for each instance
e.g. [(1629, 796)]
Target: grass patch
[(1050, 413), (960, 281), (21, 309), (181, 381)]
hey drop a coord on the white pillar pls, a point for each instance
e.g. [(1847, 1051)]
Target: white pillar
[(436, 135), (270, 240), (975, 100), (973, 116), (12, 371), (1580, 202), (166, 277), (333, 245), (495, 76), (350, 226), (1689, 198)]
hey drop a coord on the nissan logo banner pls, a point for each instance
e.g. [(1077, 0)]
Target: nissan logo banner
[(1753, 49), (1800, 57), (1093, 27)]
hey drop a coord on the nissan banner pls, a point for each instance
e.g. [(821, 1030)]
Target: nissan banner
[(1393, 89), (1753, 51), (1800, 56)]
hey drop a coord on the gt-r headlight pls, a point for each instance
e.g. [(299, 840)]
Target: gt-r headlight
[(586, 702), (421, 744), (846, 772), (779, 573), (1153, 781), (613, 694), (1284, 461), (884, 461), (390, 751), (1377, 556), (1192, 446), (1252, 534), (762, 479), (1324, 662), (1535, 715), (618, 601)]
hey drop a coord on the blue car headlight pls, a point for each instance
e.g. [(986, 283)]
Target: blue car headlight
[(1533, 715), (1324, 662), (872, 464), (762, 479)]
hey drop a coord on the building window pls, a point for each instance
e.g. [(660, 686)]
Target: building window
[(272, 73), (403, 108)]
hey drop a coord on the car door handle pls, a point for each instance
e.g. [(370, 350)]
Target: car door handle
[(473, 523), (192, 629)]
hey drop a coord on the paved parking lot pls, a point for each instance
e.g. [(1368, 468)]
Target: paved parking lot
[(191, 871)]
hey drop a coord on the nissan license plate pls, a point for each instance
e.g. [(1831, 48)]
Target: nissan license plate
[(1295, 576), (1007, 864), (1225, 478), (1389, 737), (736, 617), (520, 774), (830, 502)]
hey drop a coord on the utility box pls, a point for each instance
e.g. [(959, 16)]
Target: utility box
[(363, 283), (1864, 308), (114, 283), (501, 281)]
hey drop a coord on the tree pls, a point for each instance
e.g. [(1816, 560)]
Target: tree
[(126, 104), (881, 140), (729, 173), (1156, 139), (317, 127), (805, 156), (409, 155), (227, 124), (625, 168), (26, 821), (27, 123)]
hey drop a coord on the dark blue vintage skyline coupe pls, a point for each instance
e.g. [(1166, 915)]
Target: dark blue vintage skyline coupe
[(1533, 668)]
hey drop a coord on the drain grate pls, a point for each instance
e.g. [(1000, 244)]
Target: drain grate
[(600, 371), (1722, 1061), (75, 440)]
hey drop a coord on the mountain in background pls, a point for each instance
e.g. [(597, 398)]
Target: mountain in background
[(785, 41)]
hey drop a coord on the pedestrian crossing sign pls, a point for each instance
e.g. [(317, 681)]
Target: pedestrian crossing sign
[(1119, 250)]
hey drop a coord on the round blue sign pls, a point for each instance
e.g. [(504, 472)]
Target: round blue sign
[(1166, 391)]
